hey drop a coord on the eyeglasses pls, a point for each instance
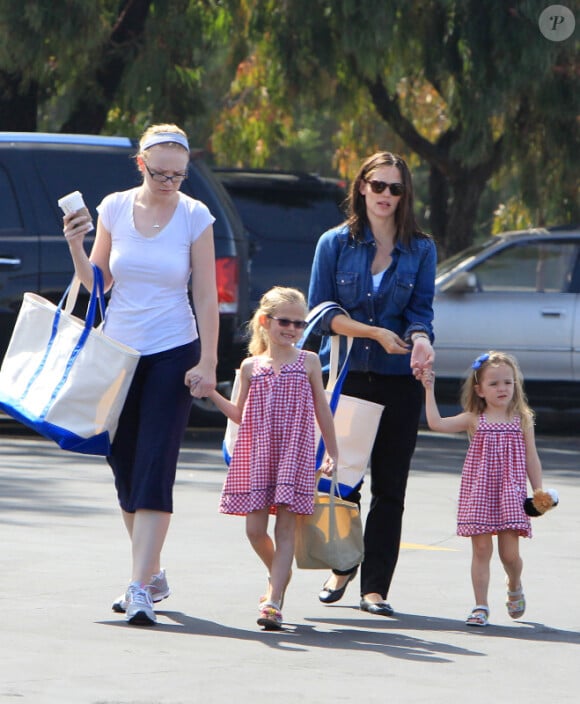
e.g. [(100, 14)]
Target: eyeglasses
[(286, 322), (162, 178), (396, 189)]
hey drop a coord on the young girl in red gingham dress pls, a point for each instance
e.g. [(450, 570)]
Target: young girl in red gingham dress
[(502, 452), (272, 469)]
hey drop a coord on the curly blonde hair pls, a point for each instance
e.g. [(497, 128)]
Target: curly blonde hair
[(473, 403), (269, 304)]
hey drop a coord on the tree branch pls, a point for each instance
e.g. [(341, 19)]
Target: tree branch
[(90, 112)]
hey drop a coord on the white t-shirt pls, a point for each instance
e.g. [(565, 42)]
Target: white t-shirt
[(149, 308)]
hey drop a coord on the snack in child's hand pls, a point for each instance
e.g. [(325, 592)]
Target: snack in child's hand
[(541, 502)]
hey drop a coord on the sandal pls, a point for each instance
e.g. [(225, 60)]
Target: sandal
[(516, 602), (270, 617), (479, 616)]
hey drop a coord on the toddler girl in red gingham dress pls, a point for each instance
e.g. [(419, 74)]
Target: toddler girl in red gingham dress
[(502, 452), (272, 468)]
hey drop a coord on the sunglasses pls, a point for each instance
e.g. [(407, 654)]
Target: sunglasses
[(396, 189), (286, 322)]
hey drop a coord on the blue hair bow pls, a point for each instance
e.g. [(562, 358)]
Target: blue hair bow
[(480, 360)]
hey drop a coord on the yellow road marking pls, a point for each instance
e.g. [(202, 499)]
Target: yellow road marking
[(418, 546)]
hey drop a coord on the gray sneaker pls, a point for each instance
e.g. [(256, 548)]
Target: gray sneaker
[(139, 606), (158, 589)]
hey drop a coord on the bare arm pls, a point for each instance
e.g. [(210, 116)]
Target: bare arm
[(202, 378), (322, 410), (76, 227), (451, 424), (234, 409), (533, 464), (389, 341)]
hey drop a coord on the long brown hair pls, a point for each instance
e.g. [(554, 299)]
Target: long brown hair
[(405, 221)]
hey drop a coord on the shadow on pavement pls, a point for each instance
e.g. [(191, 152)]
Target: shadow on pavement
[(366, 635), (520, 630), (302, 637)]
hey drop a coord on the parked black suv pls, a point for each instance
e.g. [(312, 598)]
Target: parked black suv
[(284, 213), (37, 169)]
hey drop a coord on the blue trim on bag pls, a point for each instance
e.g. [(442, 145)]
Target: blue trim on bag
[(226, 455), (96, 445), (53, 332), (324, 484), (99, 444), (96, 294)]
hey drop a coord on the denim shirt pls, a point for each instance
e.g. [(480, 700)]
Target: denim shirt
[(403, 303)]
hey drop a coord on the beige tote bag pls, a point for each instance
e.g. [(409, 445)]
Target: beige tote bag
[(64, 378), (332, 536)]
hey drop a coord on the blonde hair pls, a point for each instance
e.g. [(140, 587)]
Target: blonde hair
[(156, 129), (269, 304), (473, 403)]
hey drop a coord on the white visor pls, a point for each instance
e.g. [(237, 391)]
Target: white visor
[(165, 138)]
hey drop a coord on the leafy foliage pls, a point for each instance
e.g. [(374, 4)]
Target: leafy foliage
[(480, 103)]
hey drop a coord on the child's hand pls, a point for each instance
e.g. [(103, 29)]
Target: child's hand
[(428, 378), (328, 465)]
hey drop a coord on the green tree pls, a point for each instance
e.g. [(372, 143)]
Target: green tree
[(500, 90), (73, 66)]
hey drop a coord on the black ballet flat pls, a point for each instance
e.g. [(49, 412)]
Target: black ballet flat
[(330, 596), (380, 609)]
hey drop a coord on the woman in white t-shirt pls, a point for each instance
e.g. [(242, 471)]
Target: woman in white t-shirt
[(150, 241)]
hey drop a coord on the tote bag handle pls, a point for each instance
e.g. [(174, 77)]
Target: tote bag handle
[(69, 298), (71, 294), (335, 377)]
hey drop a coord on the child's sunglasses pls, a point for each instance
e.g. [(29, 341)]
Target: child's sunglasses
[(286, 322), (396, 189)]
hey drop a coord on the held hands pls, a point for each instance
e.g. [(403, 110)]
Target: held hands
[(328, 465), (422, 356), (201, 380), (427, 378)]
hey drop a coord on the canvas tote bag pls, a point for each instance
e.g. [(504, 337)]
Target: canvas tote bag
[(356, 421), (231, 434), (64, 378), (332, 536)]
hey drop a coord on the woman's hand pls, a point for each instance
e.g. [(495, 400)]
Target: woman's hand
[(391, 342), (76, 226), (422, 356), (201, 379)]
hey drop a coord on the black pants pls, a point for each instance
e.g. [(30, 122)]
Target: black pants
[(146, 447), (394, 445)]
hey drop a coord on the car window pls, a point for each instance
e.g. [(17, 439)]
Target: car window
[(544, 267), (460, 257), (93, 172), (299, 216), (11, 219)]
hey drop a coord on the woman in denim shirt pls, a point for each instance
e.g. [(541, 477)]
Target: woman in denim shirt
[(380, 267)]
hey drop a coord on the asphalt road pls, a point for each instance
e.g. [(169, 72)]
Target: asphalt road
[(65, 557)]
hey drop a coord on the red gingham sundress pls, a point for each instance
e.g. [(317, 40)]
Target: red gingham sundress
[(274, 457), (493, 481)]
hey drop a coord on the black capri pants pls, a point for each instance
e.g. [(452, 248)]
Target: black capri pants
[(146, 446)]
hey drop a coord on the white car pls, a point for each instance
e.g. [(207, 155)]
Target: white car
[(518, 292)]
